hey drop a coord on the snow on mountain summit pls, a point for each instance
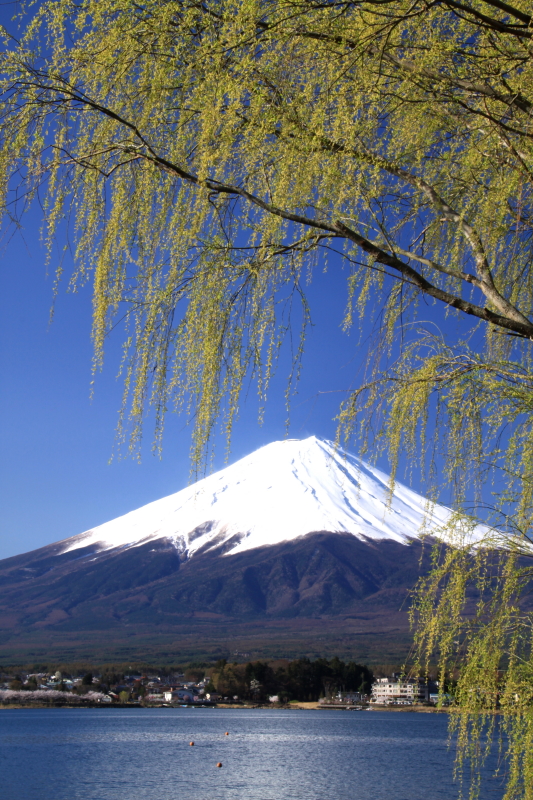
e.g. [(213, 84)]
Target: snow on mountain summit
[(281, 491)]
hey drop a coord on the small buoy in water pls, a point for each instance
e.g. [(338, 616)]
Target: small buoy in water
[(227, 733), (191, 744), (219, 764)]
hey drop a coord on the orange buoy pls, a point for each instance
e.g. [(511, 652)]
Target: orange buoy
[(191, 744), (219, 764), (227, 733)]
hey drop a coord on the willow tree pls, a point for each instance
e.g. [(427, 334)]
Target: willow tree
[(203, 156)]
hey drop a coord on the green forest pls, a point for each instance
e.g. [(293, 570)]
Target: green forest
[(302, 679)]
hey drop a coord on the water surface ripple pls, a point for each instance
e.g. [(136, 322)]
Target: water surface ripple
[(144, 754)]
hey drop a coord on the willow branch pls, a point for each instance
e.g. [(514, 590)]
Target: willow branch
[(509, 318)]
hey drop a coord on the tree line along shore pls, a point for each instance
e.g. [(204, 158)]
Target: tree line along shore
[(255, 682), (299, 683)]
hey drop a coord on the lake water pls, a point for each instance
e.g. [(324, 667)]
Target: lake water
[(144, 754)]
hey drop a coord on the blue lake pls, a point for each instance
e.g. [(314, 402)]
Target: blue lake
[(144, 754)]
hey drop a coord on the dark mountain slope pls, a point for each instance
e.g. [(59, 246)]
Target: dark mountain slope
[(311, 583)]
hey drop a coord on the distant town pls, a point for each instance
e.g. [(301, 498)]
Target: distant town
[(320, 683)]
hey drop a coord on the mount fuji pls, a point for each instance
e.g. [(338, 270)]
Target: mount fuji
[(298, 548), (284, 490)]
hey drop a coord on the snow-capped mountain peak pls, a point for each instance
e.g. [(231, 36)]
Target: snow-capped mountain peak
[(280, 492)]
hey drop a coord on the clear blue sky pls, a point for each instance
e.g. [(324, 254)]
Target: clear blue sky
[(56, 478), (56, 443)]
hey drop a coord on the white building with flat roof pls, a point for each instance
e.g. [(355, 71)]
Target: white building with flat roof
[(399, 690)]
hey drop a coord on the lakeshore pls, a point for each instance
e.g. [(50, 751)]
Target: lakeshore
[(418, 709)]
